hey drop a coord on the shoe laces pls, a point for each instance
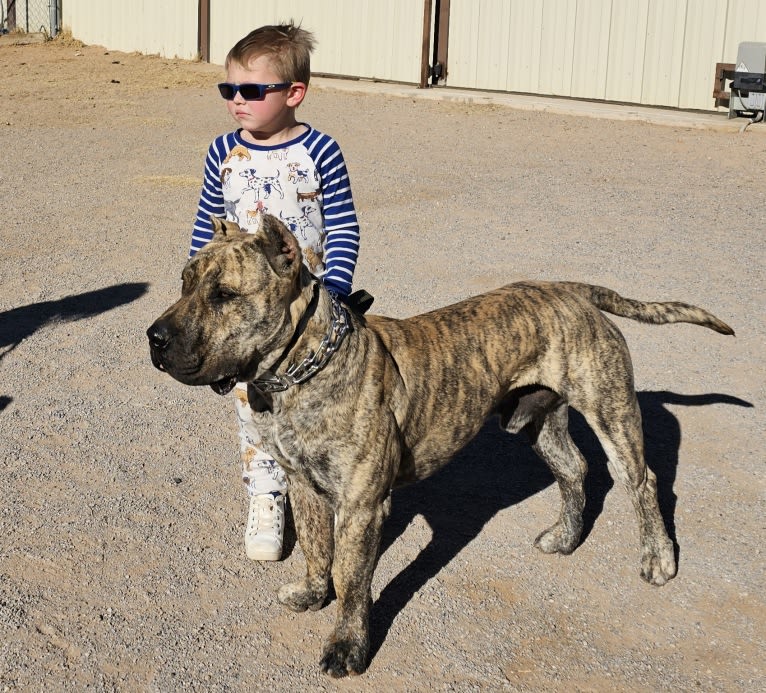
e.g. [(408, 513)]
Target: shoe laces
[(268, 512)]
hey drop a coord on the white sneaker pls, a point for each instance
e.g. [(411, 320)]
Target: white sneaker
[(265, 527)]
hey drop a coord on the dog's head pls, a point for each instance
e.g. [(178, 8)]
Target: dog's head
[(238, 301)]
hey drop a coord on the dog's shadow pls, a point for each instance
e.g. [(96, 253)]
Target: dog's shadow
[(497, 470)]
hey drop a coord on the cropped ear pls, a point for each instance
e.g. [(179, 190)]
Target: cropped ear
[(279, 245), (224, 227)]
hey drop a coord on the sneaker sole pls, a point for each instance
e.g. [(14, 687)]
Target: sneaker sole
[(263, 555)]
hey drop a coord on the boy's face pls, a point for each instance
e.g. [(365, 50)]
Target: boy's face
[(275, 111)]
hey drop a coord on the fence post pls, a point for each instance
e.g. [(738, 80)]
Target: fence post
[(203, 30), (425, 65), (53, 7)]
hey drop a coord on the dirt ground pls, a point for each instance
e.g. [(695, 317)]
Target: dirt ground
[(122, 566)]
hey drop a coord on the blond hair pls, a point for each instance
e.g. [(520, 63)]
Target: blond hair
[(288, 48)]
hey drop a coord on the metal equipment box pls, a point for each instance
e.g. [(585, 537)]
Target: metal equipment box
[(748, 86)]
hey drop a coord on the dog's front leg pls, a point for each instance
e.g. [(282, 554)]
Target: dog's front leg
[(313, 524), (357, 536)]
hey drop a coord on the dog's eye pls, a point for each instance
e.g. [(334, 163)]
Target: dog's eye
[(225, 293)]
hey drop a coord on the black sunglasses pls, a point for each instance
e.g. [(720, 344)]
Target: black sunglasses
[(250, 92)]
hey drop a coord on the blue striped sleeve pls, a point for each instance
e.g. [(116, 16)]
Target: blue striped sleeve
[(211, 196), (341, 225)]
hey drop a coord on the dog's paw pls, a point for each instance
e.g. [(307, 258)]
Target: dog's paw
[(558, 539), (344, 657), (300, 596), (657, 567)]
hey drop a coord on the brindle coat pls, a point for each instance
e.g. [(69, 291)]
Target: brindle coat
[(400, 397)]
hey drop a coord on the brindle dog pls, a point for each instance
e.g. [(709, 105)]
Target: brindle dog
[(352, 406)]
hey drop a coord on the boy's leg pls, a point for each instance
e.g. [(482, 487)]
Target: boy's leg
[(266, 486)]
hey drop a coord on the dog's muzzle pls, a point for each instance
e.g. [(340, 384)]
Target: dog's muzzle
[(160, 338)]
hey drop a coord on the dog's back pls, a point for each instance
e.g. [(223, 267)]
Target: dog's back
[(459, 363)]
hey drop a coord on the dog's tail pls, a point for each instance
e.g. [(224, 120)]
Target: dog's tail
[(654, 313)]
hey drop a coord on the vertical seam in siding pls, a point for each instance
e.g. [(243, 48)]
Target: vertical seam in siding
[(683, 54)]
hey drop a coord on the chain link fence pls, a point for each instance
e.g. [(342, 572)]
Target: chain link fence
[(30, 16)]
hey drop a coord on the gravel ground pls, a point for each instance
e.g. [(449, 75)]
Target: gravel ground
[(122, 566)]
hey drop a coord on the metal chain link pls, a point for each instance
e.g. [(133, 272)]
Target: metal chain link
[(315, 360)]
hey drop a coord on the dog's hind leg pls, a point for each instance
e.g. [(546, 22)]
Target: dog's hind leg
[(543, 415), (551, 441), (619, 431), (313, 517)]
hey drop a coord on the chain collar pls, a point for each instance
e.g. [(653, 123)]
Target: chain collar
[(315, 360)]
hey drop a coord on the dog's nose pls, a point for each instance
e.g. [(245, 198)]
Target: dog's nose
[(158, 335)]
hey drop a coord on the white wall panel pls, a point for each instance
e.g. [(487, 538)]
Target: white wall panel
[(654, 52), (663, 57), (627, 42), (523, 69), (374, 39), (745, 21), (591, 49), (147, 26), (557, 46), (703, 40)]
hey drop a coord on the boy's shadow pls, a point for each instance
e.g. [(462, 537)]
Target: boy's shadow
[(497, 470), (19, 323)]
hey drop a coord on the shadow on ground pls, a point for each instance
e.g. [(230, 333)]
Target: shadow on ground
[(19, 323), (497, 470)]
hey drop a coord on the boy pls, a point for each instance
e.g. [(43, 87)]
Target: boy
[(276, 164)]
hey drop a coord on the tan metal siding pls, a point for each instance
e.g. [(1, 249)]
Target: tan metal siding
[(591, 49), (654, 52), (745, 21), (374, 39), (705, 23), (168, 27), (664, 55), (658, 52), (627, 40)]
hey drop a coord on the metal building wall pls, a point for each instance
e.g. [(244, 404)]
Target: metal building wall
[(374, 39), (147, 26), (657, 52), (654, 52)]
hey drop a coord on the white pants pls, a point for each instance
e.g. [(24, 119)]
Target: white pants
[(260, 471)]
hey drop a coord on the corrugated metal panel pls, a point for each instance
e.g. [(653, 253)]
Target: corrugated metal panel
[(703, 39), (658, 52), (627, 41), (168, 28), (557, 46), (745, 21), (374, 39), (590, 59), (654, 52), (663, 58)]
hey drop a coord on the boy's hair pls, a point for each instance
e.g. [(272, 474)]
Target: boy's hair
[(287, 46)]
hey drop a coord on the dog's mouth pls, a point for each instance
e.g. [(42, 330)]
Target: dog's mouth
[(221, 387), (224, 386)]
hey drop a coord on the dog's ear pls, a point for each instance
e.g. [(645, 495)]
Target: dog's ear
[(224, 227), (279, 245)]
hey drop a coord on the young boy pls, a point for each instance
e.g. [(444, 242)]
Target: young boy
[(274, 163)]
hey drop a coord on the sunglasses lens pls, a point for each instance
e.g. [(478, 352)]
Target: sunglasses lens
[(251, 92), (227, 91)]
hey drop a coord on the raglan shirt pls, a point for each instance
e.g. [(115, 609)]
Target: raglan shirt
[(303, 182)]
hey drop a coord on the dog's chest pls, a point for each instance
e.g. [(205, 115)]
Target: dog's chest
[(298, 447)]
